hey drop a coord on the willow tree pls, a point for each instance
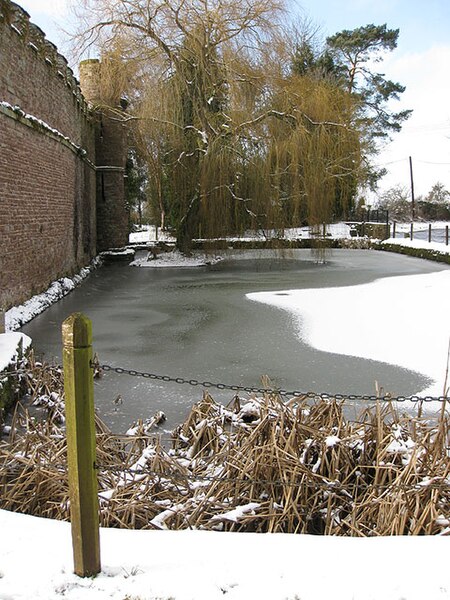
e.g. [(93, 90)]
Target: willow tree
[(232, 138), (315, 155)]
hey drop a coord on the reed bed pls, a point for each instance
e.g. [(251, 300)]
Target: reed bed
[(259, 464)]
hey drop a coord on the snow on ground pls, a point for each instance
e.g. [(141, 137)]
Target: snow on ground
[(149, 233), (36, 562), (415, 243), (420, 226), (409, 324), (9, 344)]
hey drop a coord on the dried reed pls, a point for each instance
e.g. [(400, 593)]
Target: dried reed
[(260, 464)]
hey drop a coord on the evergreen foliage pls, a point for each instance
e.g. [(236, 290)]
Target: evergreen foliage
[(347, 58)]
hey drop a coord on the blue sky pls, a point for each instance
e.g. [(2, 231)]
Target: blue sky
[(421, 23), (421, 63)]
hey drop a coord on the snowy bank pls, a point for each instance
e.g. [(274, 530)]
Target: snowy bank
[(9, 345), (36, 562), (19, 315), (412, 331), (149, 233), (436, 251), (175, 259), (415, 243)]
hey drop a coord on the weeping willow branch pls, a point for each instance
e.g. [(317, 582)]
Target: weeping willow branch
[(269, 113), (324, 123)]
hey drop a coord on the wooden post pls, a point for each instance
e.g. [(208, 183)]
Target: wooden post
[(446, 235), (2, 321), (411, 233), (429, 232), (80, 427), (393, 229)]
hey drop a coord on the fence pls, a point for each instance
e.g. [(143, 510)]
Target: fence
[(368, 215), (438, 233), (84, 468)]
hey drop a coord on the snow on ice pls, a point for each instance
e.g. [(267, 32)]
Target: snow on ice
[(417, 344)]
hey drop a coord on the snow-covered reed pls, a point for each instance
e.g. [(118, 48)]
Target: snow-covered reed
[(259, 465)]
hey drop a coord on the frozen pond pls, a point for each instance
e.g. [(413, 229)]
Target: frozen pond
[(196, 323)]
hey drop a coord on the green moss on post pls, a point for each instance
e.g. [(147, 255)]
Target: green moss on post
[(80, 424)]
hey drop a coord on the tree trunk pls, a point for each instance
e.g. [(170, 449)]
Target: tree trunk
[(188, 227)]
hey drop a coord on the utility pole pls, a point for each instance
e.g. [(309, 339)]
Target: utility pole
[(413, 204)]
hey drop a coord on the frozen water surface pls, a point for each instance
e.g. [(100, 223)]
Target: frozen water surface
[(197, 323)]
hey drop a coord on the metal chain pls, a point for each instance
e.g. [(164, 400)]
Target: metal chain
[(265, 390), (251, 389)]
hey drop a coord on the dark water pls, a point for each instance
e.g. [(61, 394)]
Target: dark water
[(196, 323)]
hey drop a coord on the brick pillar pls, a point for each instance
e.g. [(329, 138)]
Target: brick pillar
[(110, 159)]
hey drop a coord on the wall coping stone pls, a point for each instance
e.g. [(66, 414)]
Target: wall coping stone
[(16, 113)]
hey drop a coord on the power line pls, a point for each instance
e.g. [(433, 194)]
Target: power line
[(392, 162), (427, 162), (399, 160)]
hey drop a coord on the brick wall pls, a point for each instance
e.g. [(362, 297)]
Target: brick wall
[(48, 179)]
